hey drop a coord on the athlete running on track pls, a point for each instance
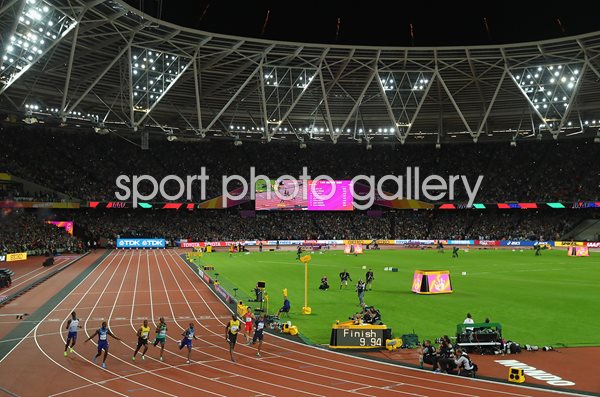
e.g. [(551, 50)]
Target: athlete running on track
[(161, 336), (72, 326), (231, 331), (259, 333), (248, 321), (102, 333), (142, 334), (188, 337)]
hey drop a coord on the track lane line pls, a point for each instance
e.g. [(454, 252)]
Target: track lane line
[(90, 315), (37, 342), (158, 266), (215, 317)]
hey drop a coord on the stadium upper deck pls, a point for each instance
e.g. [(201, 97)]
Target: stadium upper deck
[(109, 66)]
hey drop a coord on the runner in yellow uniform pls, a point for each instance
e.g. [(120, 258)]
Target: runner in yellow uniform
[(142, 335), (231, 332)]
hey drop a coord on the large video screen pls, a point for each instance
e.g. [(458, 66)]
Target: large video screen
[(286, 200), (340, 201), (67, 225)]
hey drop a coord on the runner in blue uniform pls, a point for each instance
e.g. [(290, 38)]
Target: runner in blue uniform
[(102, 333), (188, 336), (259, 333)]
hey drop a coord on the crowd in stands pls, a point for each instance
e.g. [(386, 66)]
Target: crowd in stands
[(227, 225), (497, 225), (27, 232), (85, 165)]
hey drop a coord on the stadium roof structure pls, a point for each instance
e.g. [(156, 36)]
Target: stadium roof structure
[(105, 64)]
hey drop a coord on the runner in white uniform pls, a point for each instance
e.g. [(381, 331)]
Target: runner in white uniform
[(72, 327)]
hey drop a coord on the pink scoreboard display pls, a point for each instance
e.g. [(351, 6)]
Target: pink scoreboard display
[(578, 251), (431, 282), (67, 225), (340, 201)]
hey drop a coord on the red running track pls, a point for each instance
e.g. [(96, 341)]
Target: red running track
[(132, 285), (31, 270)]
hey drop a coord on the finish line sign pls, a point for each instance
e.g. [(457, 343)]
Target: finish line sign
[(141, 243)]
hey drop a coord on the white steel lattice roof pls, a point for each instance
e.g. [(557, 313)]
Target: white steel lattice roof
[(107, 64)]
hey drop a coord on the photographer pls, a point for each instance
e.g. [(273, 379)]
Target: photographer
[(357, 319), (324, 284), (464, 365), (258, 293), (360, 290), (367, 316), (429, 356), (363, 317), (373, 315), (446, 355)]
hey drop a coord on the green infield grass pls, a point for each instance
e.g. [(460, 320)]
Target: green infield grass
[(550, 299)]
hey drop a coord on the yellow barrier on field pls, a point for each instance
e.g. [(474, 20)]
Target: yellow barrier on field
[(393, 344), (288, 328)]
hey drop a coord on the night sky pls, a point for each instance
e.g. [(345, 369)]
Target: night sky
[(381, 23)]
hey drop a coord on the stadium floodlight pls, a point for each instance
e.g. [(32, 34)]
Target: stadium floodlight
[(38, 28), (154, 72), (404, 92), (553, 86)]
